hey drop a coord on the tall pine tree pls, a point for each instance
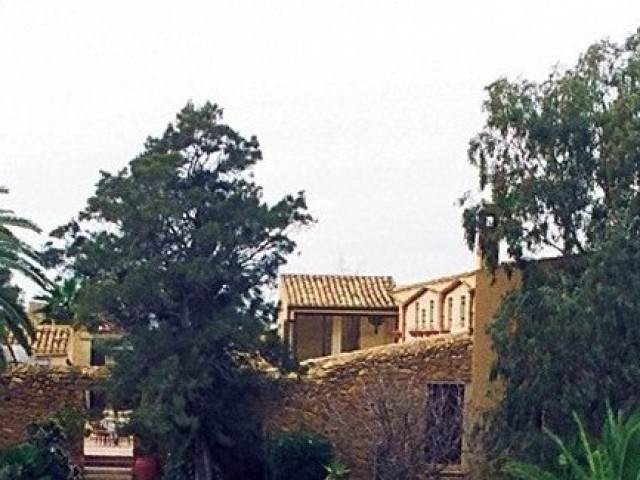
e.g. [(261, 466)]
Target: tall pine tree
[(177, 250)]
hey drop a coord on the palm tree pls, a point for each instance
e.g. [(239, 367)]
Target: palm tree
[(614, 456), (60, 301), (16, 257)]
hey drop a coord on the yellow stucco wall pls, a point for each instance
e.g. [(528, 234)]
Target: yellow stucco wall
[(369, 338), (81, 348), (490, 292), (78, 351), (310, 333), (314, 339)]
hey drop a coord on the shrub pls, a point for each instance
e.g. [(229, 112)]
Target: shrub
[(43, 457), (612, 456), (301, 455)]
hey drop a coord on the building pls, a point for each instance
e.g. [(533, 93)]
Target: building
[(58, 345), (322, 315), (55, 346), (441, 305), (453, 363)]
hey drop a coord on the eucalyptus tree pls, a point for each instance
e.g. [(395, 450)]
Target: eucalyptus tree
[(559, 163), (558, 159), (178, 250)]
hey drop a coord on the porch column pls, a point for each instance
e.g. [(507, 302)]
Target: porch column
[(293, 335), (336, 335)]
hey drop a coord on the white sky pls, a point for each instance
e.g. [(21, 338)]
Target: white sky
[(367, 105)]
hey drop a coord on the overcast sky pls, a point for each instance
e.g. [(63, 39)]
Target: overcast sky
[(366, 105)]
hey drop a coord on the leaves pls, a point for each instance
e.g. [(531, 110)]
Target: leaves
[(558, 158), (558, 167), (177, 250), (612, 456), (15, 257), (60, 301), (567, 341)]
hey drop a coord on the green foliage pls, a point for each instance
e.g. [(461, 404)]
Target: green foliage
[(71, 419), (13, 320), (566, 341), (558, 158), (336, 469), (15, 257), (613, 456), (61, 301), (178, 468), (178, 250), (301, 455), (16, 463), (42, 457)]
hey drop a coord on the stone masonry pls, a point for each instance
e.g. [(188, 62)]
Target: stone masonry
[(29, 392), (330, 398)]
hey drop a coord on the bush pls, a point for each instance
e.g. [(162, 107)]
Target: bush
[(42, 457), (612, 456), (301, 455), (71, 419)]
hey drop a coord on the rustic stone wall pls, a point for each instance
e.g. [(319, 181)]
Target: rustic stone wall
[(331, 397), (29, 392)]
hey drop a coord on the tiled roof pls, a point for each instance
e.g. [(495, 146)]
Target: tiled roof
[(449, 278), (52, 340), (339, 291)]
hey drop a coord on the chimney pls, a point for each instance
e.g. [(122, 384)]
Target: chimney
[(487, 245)]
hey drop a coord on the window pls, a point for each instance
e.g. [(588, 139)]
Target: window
[(417, 315), (444, 416), (463, 310), (432, 308), (449, 313), (424, 319)]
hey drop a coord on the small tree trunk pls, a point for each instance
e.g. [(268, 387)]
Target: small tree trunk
[(203, 469)]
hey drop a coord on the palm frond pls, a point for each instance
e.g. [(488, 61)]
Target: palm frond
[(526, 471), (16, 256)]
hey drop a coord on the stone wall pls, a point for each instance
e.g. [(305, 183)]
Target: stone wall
[(29, 392), (331, 397)]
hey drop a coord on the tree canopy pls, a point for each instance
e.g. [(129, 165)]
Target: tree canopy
[(177, 250), (559, 158), (60, 301), (560, 161)]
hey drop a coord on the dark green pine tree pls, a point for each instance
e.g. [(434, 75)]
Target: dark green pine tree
[(177, 250)]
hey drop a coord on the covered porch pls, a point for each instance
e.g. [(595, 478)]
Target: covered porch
[(313, 334), (322, 315)]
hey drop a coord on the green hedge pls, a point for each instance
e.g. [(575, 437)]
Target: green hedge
[(299, 455)]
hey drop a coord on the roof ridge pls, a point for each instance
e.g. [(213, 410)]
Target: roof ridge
[(445, 278), (339, 291), (336, 275)]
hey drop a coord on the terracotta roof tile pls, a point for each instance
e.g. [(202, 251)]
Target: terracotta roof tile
[(52, 340), (462, 276), (339, 291)]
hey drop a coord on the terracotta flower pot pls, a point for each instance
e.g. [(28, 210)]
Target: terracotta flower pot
[(146, 468)]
